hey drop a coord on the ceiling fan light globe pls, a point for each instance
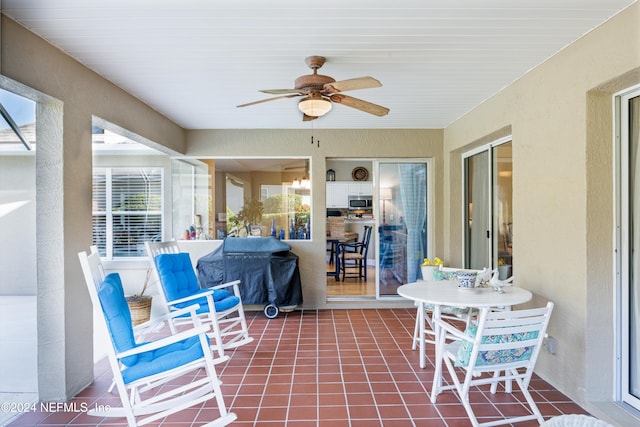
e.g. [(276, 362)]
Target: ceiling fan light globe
[(314, 107)]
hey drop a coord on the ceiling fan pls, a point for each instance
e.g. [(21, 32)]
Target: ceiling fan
[(320, 92)]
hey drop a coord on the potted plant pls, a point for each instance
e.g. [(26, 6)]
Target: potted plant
[(504, 269), (140, 304), (427, 268)]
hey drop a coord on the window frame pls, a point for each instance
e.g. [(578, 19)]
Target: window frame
[(109, 213)]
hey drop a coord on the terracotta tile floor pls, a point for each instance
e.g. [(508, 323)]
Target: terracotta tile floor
[(329, 368)]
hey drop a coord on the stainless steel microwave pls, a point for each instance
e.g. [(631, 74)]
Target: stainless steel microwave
[(360, 202)]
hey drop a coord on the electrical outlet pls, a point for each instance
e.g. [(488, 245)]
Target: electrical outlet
[(550, 344)]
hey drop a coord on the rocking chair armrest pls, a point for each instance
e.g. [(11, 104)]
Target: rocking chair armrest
[(234, 283), (207, 293), (163, 342), (226, 285)]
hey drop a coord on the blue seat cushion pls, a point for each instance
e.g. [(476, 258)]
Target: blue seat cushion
[(179, 280), (163, 359), (117, 315), (221, 305), (498, 356)]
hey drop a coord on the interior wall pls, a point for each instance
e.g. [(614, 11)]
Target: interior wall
[(546, 111), (360, 144)]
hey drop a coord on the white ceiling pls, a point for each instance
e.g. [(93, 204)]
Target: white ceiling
[(195, 60)]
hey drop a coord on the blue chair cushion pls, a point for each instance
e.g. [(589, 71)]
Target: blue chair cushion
[(163, 359), (179, 280), (221, 305), (497, 356), (116, 313)]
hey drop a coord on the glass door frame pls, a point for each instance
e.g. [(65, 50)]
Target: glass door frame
[(430, 223), (623, 255), (492, 245)]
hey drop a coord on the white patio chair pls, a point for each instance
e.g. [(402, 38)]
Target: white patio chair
[(220, 306), (141, 370), (450, 313), (574, 420), (503, 346)]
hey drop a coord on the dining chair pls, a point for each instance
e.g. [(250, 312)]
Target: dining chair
[(338, 234), (145, 373), (354, 255), (502, 346), (220, 306)]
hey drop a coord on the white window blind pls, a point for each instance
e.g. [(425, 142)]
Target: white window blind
[(127, 210)]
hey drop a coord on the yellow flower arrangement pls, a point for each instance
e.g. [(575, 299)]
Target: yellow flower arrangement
[(436, 261)]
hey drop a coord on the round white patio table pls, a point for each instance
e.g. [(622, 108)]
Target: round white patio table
[(447, 293)]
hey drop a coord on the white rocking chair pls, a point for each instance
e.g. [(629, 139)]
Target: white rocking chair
[(142, 369), (220, 306)]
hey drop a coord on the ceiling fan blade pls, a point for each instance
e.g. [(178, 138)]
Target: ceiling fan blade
[(306, 118), (267, 100), (359, 104), (283, 91), (352, 84)]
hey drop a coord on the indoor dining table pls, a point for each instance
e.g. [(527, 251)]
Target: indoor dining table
[(347, 237), (447, 293)]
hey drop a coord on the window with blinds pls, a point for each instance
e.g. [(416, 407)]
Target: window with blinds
[(127, 210)]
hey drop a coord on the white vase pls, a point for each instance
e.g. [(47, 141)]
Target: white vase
[(504, 271), (427, 271)]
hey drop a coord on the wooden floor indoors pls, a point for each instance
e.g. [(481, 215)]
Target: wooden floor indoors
[(358, 288)]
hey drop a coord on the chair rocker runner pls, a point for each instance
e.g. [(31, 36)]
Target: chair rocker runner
[(503, 346), (220, 306), (141, 370)]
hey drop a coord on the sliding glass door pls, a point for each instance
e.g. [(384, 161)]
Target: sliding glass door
[(477, 210), (403, 231), (488, 207), (629, 258)]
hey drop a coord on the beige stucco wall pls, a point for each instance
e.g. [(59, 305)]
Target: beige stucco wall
[(68, 96), (562, 201)]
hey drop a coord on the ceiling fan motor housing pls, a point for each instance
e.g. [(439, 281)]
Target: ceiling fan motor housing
[(313, 82)]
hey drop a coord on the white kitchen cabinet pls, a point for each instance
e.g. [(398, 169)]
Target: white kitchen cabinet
[(337, 195), (361, 188)]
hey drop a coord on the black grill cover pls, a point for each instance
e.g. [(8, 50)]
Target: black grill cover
[(267, 270)]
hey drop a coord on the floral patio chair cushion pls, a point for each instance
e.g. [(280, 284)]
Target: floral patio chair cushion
[(497, 356)]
